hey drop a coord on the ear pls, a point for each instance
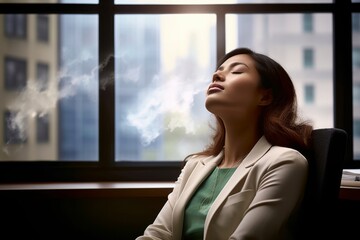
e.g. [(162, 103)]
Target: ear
[(266, 97)]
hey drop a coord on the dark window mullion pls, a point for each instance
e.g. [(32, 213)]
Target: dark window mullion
[(342, 35), (106, 94), (223, 8), (48, 8), (220, 35)]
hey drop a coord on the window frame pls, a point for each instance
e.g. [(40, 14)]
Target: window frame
[(107, 169)]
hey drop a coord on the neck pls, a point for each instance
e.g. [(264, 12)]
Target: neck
[(239, 140)]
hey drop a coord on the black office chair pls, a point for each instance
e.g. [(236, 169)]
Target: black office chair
[(318, 215)]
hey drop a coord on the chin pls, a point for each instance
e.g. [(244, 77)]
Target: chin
[(211, 105)]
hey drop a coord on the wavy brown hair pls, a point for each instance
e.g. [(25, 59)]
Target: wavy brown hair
[(279, 121)]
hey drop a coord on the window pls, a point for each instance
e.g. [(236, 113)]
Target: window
[(15, 25), (356, 83), (355, 22), (78, 102), (308, 22), (109, 79), (356, 136), (356, 57), (43, 28), (357, 128), (42, 76), (356, 94), (15, 73), (277, 40), (42, 128), (308, 56), (309, 94), (158, 52), (15, 128)]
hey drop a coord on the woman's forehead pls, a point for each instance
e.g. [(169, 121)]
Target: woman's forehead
[(240, 58)]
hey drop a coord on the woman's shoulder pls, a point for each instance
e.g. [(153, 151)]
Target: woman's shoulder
[(284, 150), (286, 154)]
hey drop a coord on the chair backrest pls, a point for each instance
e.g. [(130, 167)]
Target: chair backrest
[(318, 213), (326, 165)]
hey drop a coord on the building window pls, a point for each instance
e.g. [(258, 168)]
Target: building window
[(14, 128), (15, 25), (356, 22), (42, 128), (308, 23), (308, 58), (309, 94), (42, 72), (356, 57), (356, 93), (43, 28), (357, 128), (15, 73)]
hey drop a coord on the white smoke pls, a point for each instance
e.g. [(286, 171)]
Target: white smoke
[(33, 101), (165, 106)]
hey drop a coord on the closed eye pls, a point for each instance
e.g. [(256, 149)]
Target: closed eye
[(236, 72)]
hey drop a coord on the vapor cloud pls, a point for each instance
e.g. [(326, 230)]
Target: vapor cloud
[(165, 105)]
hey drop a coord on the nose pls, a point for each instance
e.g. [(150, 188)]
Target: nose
[(218, 77)]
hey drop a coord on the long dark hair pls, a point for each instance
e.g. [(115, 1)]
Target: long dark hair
[(279, 121)]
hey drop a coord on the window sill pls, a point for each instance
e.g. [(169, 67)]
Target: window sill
[(120, 189), (93, 189)]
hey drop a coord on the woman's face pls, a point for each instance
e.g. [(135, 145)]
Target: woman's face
[(236, 89)]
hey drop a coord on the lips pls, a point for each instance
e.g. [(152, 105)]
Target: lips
[(215, 87)]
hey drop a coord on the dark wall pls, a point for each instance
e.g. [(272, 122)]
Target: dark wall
[(349, 220), (31, 215), (104, 215)]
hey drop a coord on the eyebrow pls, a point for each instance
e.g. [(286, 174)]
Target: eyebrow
[(233, 65)]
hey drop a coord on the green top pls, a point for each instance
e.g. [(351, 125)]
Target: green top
[(200, 203)]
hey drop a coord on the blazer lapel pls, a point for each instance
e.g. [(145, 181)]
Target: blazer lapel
[(260, 148)]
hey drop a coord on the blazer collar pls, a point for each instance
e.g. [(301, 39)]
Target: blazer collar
[(202, 169), (260, 149)]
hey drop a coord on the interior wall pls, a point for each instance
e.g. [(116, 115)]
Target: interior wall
[(29, 215)]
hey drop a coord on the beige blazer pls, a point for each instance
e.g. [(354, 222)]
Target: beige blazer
[(255, 203)]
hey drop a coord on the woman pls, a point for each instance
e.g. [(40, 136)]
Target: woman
[(251, 179)]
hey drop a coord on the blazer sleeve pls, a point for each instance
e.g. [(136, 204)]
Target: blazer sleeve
[(162, 228), (280, 189)]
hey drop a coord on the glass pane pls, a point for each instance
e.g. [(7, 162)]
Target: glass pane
[(306, 56), (50, 87), (356, 82), (163, 65), (216, 1)]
